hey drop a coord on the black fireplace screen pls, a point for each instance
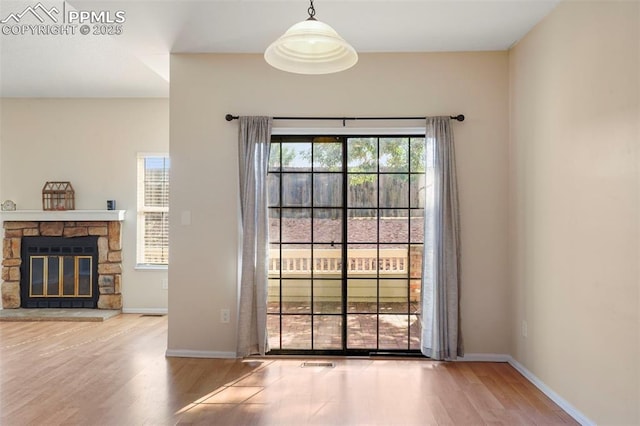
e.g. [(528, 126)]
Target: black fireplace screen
[(59, 272)]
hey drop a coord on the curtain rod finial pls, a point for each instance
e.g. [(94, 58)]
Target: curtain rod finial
[(459, 117), (230, 117)]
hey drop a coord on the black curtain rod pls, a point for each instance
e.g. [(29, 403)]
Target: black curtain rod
[(458, 117)]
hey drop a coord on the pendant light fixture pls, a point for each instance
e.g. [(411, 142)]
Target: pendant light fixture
[(311, 47)]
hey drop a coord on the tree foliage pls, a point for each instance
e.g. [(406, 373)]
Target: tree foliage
[(396, 154), (280, 156), (390, 159)]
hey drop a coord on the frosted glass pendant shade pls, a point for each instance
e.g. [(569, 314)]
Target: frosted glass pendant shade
[(311, 47)]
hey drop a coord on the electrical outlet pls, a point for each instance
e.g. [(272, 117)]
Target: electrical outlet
[(225, 316), (165, 283), (524, 328)]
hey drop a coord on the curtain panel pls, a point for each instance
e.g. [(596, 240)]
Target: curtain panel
[(253, 155), (441, 333)]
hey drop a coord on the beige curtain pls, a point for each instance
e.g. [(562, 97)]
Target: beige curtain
[(441, 334), (253, 154)]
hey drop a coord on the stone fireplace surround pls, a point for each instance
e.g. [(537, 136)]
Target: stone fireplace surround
[(106, 225)]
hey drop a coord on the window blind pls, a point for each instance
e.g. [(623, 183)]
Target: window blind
[(153, 209)]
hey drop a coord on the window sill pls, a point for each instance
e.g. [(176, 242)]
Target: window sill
[(143, 267)]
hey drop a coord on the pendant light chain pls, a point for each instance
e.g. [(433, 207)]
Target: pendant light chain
[(311, 11)]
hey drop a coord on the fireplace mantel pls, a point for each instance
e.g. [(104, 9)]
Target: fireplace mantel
[(62, 216)]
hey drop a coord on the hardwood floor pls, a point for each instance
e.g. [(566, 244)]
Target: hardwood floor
[(115, 373)]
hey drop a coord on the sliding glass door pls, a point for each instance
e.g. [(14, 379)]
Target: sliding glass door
[(346, 221)]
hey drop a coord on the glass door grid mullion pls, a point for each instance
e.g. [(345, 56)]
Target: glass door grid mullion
[(408, 308), (345, 247), (377, 209), (312, 283)]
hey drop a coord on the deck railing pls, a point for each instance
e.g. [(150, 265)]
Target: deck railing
[(392, 271), (329, 261)]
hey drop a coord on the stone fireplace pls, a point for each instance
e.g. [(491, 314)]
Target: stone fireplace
[(107, 232)]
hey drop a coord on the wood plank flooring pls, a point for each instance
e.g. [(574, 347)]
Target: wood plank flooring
[(115, 373)]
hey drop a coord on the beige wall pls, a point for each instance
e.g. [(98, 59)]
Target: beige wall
[(204, 171), (93, 144), (574, 206)]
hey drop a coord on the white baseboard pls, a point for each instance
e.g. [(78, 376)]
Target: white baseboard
[(152, 311), (484, 358), (563, 403), (186, 353)]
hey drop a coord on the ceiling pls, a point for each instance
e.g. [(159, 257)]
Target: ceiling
[(136, 62)]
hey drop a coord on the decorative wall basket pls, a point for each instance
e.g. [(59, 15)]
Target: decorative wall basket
[(58, 196)]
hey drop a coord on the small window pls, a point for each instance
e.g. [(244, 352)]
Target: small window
[(153, 209)]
